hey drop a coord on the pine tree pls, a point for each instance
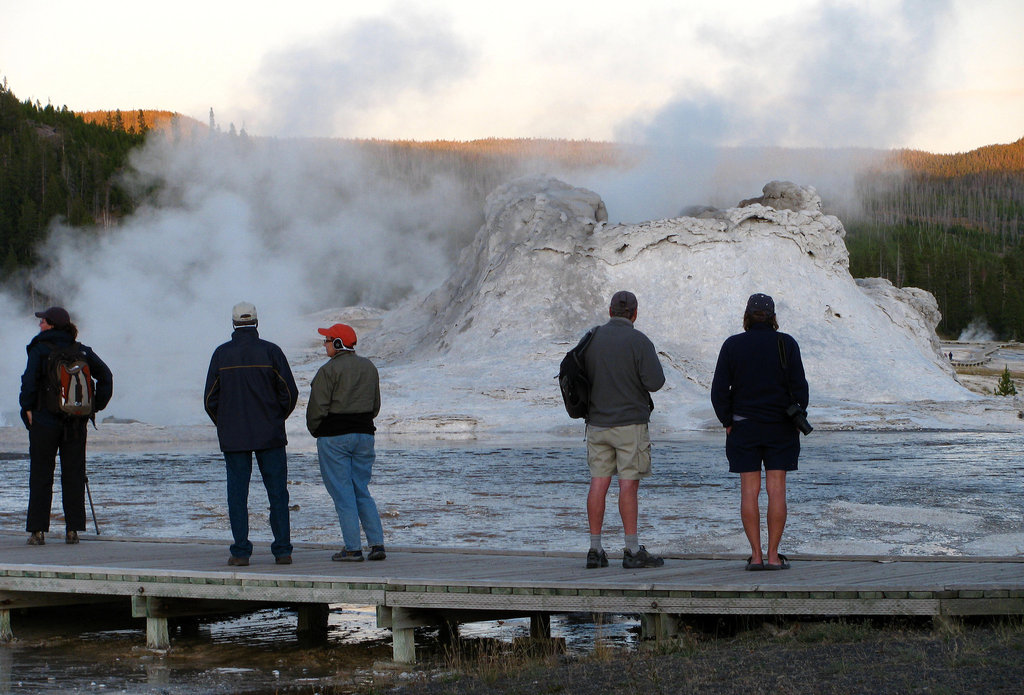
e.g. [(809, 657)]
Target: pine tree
[(1005, 386)]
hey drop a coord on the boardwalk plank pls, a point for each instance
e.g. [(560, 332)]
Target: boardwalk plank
[(471, 579)]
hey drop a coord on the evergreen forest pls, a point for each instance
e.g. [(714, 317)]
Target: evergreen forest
[(949, 224), (55, 165), (952, 225)]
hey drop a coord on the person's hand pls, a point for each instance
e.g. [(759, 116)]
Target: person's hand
[(728, 430)]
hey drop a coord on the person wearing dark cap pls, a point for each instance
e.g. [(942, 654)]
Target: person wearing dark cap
[(344, 399), (52, 430), (623, 368), (249, 394), (758, 376)]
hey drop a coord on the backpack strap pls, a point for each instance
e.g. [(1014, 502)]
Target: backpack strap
[(785, 369)]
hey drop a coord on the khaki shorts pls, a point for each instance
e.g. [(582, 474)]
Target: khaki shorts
[(625, 450)]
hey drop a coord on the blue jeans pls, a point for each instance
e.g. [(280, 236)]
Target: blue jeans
[(346, 463), (273, 465)]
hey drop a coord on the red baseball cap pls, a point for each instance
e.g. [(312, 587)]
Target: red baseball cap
[(342, 331)]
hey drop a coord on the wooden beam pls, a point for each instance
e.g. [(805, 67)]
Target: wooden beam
[(403, 636), (312, 622), (10, 600), (658, 626), (157, 634), (163, 607), (540, 625)]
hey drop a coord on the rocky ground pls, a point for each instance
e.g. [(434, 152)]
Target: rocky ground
[(817, 658)]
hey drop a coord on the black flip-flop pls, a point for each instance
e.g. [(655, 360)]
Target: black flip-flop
[(754, 566), (783, 564)]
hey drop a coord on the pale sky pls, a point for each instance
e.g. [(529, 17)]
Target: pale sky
[(939, 75)]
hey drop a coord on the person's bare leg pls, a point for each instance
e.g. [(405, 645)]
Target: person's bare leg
[(750, 513), (595, 503), (628, 505), (775, 484)]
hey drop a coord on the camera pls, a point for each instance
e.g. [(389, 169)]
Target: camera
[(798, 416)]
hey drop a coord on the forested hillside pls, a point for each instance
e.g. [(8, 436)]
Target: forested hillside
[(141, 121), (950, 224), (54, 165)]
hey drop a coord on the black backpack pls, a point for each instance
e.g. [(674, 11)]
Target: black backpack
[(69, 390), (572, 378)]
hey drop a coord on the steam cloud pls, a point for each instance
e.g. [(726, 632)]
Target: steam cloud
[(332, 83), (291, 226), (839, 76)]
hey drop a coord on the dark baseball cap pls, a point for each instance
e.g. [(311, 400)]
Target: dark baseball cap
[(761, 302), (56, 316), (623, 300)]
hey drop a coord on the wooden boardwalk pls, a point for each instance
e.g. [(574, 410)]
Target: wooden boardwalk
[(171, 579)]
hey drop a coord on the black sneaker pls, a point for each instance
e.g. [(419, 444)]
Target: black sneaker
[(596, 559), (376, 553), (348, 556), (640, 558), (37, 538)]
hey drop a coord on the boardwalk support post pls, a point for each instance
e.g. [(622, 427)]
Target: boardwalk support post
[(6, 634), (313, 620), (658, 626), (403, 623), (157, 634), (540, 626)]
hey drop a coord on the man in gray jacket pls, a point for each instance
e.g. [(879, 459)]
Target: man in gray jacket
[(623, 369), (344, 399)]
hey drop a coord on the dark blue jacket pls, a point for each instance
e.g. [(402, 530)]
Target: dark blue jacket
[(33, 381), (748, 378), (249, 392)]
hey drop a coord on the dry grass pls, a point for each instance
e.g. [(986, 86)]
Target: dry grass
[(816, 657), (988, 372)]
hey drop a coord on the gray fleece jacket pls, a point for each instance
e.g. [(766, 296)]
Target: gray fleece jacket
[(623, 369)]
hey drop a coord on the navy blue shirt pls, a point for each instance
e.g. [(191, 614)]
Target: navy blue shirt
[(249, 392), (749, 379)]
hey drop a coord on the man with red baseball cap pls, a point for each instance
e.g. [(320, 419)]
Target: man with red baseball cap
[(343, 401)]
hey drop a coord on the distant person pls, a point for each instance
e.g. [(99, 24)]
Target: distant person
[(53, 430), (623, 368), (249, 394), (344, 399), (751, 392)]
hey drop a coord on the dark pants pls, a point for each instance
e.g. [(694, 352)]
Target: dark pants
[(273, 465), (45, 441), (751, 443)]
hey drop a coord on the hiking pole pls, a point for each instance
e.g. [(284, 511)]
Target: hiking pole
[(88, 492)]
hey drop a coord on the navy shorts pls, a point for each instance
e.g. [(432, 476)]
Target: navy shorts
[(751, 443)]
